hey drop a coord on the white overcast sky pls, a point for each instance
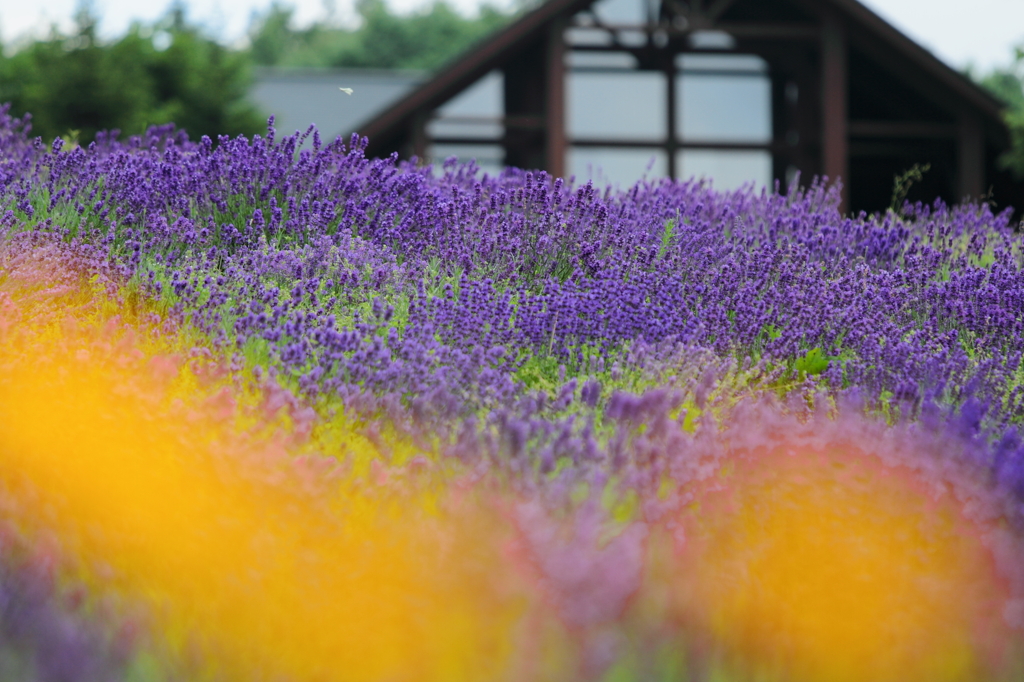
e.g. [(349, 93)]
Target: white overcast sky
[(980, 32)]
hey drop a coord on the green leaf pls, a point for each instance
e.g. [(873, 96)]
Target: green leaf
[(815, 362)]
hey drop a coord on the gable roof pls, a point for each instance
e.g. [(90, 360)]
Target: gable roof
[(469, 67), (866, 29)]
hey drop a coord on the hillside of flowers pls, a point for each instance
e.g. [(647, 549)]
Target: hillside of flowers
[(270, 409)]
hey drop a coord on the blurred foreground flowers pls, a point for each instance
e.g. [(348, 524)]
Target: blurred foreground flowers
[(194, 512), (279, 414)]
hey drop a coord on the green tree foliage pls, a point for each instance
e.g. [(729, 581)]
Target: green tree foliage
[(78, 85), (1008, 85), (384, 40), (274, 42)]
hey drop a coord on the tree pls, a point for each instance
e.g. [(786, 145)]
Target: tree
[(201, 85), (384, 40), (77, 84), (1008, 85)]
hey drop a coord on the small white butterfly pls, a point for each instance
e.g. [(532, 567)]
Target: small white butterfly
[(347, 91)]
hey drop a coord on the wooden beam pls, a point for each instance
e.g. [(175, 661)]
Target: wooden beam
[(903, 129), (835, 143), (679, 9), (664, 144), (554, 101), (525, 94), (418, 135), (970, 158), (479, 140), (525, 122), (618, 143), (670, 116), (519, 122), (805, 100), (717, 9), (908, 151), (773, 30)]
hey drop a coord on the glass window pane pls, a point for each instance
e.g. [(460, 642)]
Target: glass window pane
[(475, 112), (465, 127), (726, 168), (721, 63), (712, 40), (724, 108), (486, 97), (588, 36), (600, 60), (725, 98), (632, 38), (626, 106), (620, 167), (621, 12), (584, 18)]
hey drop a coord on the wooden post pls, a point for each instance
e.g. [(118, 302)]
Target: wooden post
[(554, 101), (525, 96), (970, 158), (420, 143), (835, 142), (670, 113)]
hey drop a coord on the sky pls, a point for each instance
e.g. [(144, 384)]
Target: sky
[(981, 33)]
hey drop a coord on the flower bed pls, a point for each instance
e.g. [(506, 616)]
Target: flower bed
[(278, 411)]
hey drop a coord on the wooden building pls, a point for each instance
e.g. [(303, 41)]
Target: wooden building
[(769, 87)]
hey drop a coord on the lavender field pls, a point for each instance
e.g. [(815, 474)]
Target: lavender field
[(280, 412)]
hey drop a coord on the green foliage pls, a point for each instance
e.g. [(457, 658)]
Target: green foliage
[(384, 40), (75, 85), (902, 183), (1014, 158), (274, 42), (1008, 85), (668, 233), (201, 85), (815, 362)]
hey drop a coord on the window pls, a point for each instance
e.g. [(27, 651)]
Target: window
[(624, 105), (475, 113), (723, 98), (621, 12), (727, 169), (612, 166)]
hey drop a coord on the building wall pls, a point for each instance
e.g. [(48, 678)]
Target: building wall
[(300, 97)]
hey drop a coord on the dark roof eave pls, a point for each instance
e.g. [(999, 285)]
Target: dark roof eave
[(984, 101)]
